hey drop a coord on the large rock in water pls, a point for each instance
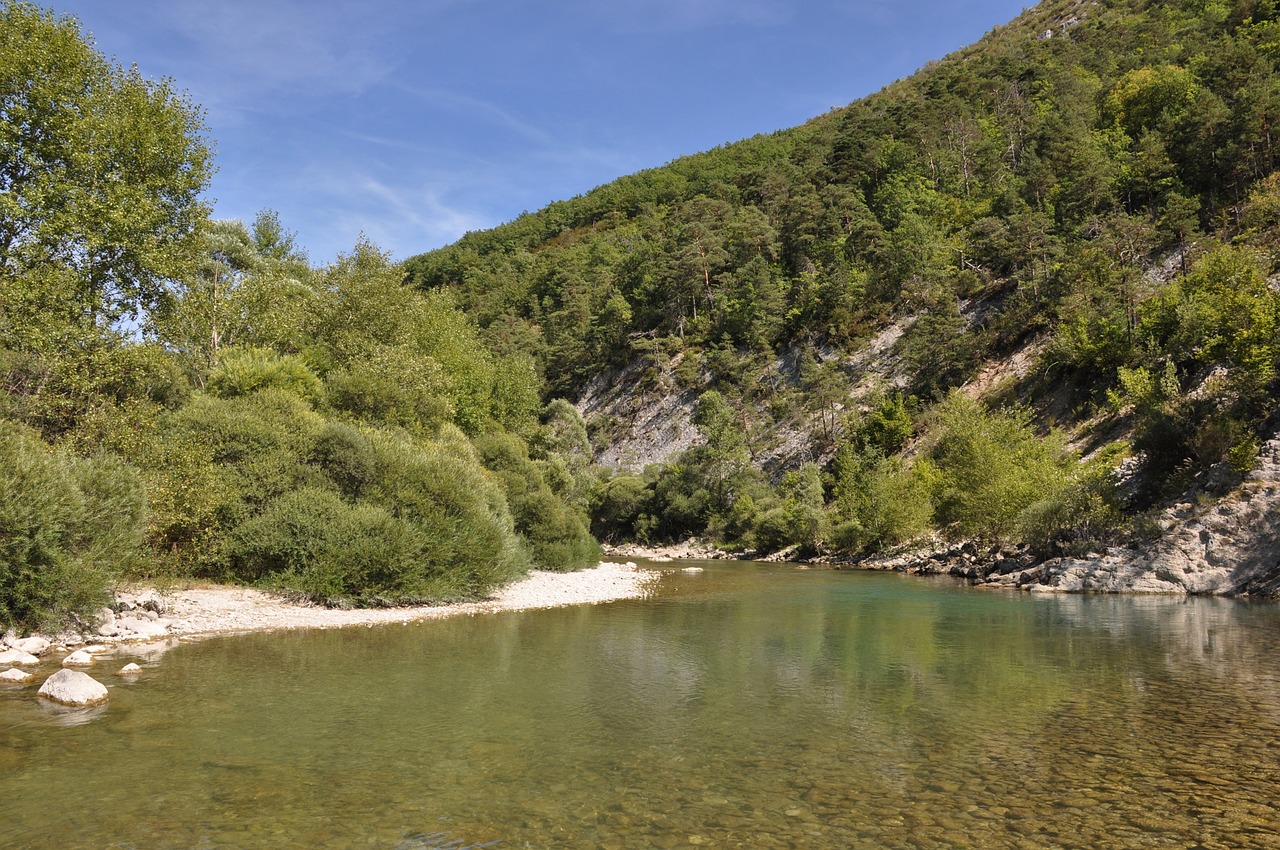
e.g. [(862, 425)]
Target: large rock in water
[(71, 687), (14, 675), (17, 656), (33, 645)]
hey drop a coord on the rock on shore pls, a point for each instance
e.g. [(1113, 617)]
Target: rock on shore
[(1228, 547)]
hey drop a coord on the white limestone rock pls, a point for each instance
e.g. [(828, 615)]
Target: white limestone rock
[(14, 676), (71, 687), (79, 658), (144, 628), (17, 656), (130, 670), (33, 645)]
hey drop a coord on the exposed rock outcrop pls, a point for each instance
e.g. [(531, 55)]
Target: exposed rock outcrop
[(1228, 547)]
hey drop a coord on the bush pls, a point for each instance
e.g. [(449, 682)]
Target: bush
[(427, 524), (992, 467), (555, 531), (67, 527), (616, 505), (247, 370), (312, 542)]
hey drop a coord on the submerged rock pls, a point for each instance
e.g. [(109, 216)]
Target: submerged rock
[(71, 687), (14, 675)]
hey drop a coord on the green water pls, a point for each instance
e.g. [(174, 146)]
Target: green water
[(746, 706)]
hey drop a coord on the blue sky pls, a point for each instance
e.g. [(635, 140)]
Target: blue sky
[(413, 121)]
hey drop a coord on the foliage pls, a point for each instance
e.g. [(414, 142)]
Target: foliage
[(992, 467), (556, 533), (68, 527), (100, 177)]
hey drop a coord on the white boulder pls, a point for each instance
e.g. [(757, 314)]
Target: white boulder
[(17, 656), (79, 658), (71, 687), (33, 645), (144, 628), (96, 649), (130, 670), (13, 674)]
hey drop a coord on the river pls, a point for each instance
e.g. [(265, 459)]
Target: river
[(749, 705)]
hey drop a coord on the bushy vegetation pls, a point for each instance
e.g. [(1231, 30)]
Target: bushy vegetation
[(69, 526), (370, 432), (324, 431)]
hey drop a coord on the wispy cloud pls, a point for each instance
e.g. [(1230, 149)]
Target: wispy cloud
[(477, 108)]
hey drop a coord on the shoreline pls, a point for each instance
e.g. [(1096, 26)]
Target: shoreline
[(200, 611)]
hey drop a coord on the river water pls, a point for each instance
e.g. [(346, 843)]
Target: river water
[(757, 706)]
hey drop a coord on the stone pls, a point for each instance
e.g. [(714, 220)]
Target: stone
[(152, 601), (106, 616), (96, 649), (33, 645), (130, 670), (691, 570), (14, 675), (71, 687), (145, 628), (108, 630), (79, 658), (17, 656)]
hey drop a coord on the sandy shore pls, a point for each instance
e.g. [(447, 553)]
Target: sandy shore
[(212, 610)]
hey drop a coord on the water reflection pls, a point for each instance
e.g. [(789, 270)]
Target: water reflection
[(742, 707)]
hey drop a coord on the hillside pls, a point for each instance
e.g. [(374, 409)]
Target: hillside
[(1025, 295)]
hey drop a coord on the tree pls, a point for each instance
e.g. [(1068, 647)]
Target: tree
[(101, 172)]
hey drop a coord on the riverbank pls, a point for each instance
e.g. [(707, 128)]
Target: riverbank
[(202, 610)]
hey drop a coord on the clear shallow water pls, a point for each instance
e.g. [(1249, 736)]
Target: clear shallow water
[(746, 706)]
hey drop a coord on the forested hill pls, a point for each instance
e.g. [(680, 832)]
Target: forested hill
[(1073, 219)]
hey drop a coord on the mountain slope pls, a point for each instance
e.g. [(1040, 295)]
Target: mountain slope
[(1078, 211)]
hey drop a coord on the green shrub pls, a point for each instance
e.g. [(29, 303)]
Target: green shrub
[(393, 385), (617, 504), (68, 526), (346, 458), (310, 541), (242, 371), (555, 531), (992, 466)]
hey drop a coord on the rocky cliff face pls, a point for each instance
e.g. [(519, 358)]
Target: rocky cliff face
[(1230, 546)]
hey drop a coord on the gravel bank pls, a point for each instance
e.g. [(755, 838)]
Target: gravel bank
[(214, 610)]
